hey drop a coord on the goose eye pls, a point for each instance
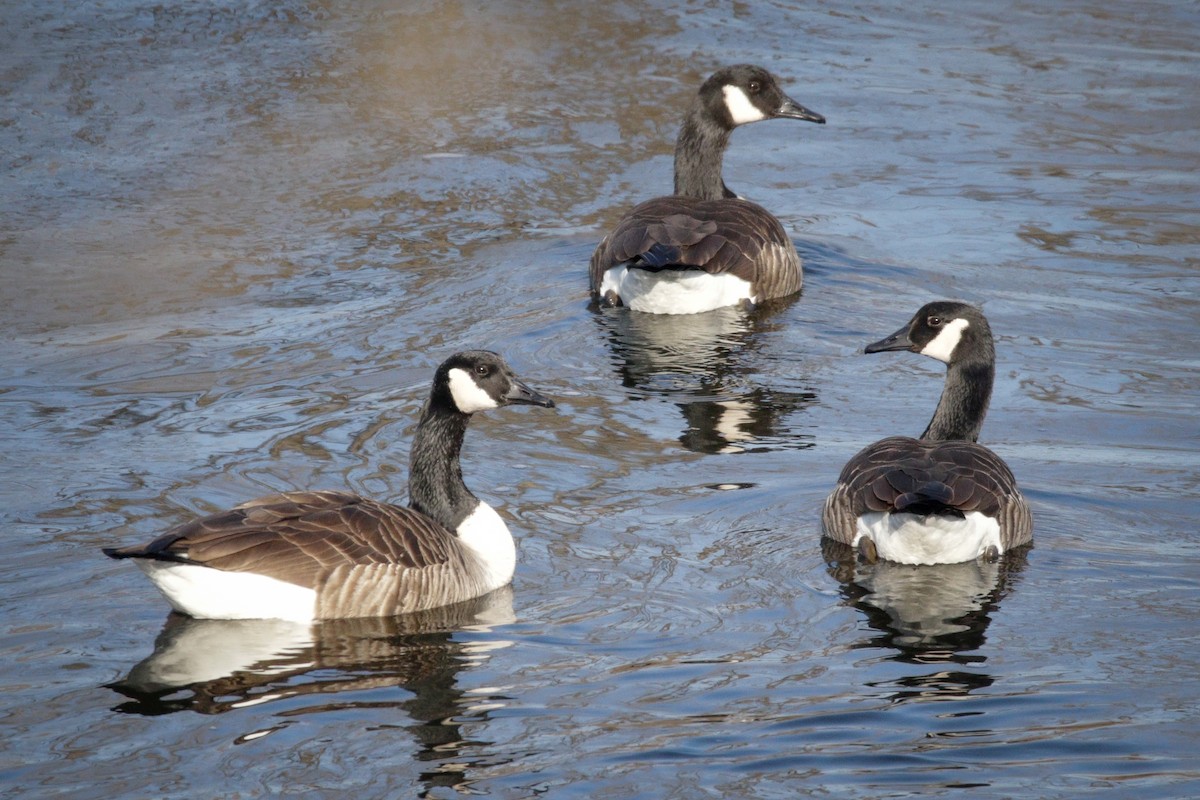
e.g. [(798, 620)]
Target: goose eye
[(755, 87), (934, 322), (482, 370)]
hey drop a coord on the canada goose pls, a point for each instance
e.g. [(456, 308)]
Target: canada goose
[(943, 498), (704, 247), (329, 554)]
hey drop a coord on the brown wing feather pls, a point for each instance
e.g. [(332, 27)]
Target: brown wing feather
[(303, 537), (718, 236), (894, 472)]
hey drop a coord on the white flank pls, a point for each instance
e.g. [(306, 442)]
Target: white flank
[(740, 107), (675, 291), (942, 346), (485, 533), (207, 593), (914, 539), (466, 393)]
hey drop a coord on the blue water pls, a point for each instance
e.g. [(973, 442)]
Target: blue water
[(235, 240)]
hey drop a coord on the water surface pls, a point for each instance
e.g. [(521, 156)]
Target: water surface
[(237, 238)]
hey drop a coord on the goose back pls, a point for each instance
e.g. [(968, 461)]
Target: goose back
[(733, 238)]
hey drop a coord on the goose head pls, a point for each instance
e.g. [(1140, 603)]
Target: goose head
[(477, 380), (745, 93), (948, 331)]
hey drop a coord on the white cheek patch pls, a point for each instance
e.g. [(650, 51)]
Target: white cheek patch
[(942, 346), (740, 107), (466, 393)]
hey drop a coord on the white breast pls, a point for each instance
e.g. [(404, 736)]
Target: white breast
[(913, 539), (675, 291), (486, 535)]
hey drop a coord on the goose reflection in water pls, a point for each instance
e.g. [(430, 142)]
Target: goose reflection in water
[(216, 666), (930, 614), (703, 362)]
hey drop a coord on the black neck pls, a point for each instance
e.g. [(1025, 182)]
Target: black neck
[(964, 402), (435, 483), (699, 152)]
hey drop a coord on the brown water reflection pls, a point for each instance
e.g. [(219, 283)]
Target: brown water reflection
[(927, 616), (219, 666), (214, 666), (705, 364)]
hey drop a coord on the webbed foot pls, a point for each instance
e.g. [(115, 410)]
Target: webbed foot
[(611, 299), (867, 551)]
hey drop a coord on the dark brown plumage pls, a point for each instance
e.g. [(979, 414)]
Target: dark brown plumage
[(730, 236)]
